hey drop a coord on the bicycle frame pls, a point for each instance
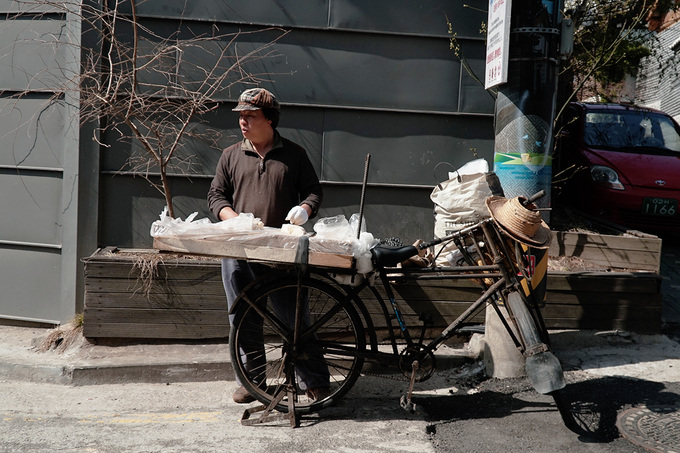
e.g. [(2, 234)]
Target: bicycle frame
[(496, 262), (503, 272)]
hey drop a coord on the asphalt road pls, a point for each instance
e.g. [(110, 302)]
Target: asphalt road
[(508, 416)]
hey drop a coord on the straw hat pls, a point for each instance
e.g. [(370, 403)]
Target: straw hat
[(519, 222)]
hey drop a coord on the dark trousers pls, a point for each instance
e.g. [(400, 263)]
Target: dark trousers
[(236, 275)]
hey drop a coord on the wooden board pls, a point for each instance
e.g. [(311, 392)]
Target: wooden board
[(635, 282), (620, 252), (156, 331), (214, 246)]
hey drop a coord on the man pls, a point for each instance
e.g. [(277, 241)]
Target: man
[(272, 178)]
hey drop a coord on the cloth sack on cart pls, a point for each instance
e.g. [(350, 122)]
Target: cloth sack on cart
[(460, 202)]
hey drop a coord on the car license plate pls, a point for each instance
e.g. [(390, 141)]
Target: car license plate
[(660, 206)]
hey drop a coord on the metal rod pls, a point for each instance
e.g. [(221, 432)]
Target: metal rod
[(363, 194)]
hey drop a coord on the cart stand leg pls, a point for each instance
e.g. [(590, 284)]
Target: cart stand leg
[(267, 415)]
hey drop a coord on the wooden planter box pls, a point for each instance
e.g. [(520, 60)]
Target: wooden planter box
[(186, 300), (586, 300)]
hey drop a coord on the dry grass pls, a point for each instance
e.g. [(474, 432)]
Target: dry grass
[(63, 337), (148, 270), (571, 264)]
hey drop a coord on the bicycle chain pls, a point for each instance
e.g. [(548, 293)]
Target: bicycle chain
[(387, 376)]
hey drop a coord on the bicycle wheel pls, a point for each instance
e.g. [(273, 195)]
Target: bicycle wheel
[(326, 354)]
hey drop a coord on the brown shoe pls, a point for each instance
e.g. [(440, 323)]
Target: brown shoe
[(318, 394), (242, 396)]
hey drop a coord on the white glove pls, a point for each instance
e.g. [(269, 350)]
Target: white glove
[(297, 215)]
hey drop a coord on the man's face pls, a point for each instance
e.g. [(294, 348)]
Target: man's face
[(254, 125)]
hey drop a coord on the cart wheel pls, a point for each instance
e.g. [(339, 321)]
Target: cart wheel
[(327, 354)]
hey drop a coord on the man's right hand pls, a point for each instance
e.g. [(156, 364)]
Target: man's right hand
[(297, 215)]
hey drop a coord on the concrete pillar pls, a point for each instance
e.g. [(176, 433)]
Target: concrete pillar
[(502, 359)]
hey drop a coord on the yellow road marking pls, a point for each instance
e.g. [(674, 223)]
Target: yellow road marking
[(193, 417)]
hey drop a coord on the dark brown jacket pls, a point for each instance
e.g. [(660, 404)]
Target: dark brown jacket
[(267, 188)]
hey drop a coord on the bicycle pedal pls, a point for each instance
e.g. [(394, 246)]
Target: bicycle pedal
[(407, 404)]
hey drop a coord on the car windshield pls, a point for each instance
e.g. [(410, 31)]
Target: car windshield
[(632, 131)]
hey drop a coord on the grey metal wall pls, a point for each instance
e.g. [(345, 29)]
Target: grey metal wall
[(39, 165), (353, 78)]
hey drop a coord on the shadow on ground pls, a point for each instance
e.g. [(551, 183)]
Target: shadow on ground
[(595, 405)]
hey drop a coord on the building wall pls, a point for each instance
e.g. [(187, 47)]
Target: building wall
[(39, 164), (658, 82), (354, 78)]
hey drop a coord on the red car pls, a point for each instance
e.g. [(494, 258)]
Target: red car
[(620, 163)]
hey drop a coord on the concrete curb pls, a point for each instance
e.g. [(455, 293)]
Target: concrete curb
[(86, 363), (82, 374)]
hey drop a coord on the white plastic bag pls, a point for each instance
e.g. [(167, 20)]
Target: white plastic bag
[(339, 229)]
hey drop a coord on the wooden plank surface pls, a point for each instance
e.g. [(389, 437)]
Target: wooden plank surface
[(155, 301), (171, 286), (214, 246), (158, 316), (155, 331), (621, 252), (128, 270), (189, 302), (604, 282)]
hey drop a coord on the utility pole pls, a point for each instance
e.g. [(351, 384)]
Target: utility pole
[(523, 46), (525, 106)]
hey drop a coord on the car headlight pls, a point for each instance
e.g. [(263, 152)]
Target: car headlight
[(606, 177)]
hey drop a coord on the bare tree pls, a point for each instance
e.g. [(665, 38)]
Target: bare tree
[(150, 88)]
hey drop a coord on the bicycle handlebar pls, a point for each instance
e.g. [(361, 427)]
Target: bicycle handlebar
[(538, 195)]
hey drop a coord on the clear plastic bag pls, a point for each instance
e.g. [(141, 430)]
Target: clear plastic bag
[(167, 226)]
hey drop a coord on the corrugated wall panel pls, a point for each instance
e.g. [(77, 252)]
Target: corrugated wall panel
[(310, 13), (344, 69), (30, 56), (39, 164), (353, 78), (31, 130), (405, 148), (363, 70), (30, 279), (386, 16), (407, 16), (303, 126), (31, 207)]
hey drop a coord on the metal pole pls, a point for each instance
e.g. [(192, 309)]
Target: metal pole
[(525, 106), (363, 194)]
